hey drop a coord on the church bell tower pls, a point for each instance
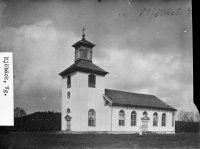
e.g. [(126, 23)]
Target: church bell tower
[(83, 86)]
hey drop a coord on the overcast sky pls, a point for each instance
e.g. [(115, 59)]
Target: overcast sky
[(143, 52)]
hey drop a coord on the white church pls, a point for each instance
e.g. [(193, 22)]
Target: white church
[(87, 106)]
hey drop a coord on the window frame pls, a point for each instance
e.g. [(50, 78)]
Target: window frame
[(91, 120), (69, 81), (163, 120), (78, 54), (68, 111), (88, 54), (68, 95), (121, 121), (91, 80), (156, 122), (144, 113), (134, 118)]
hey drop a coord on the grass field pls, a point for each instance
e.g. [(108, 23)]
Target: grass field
[(42, 140)]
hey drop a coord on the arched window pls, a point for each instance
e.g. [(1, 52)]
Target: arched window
[(163, 119), (173, 120), (121, 118), (91, 117), (133, 118), (91, 80), (68, 111), (145, 113), (155, 119)]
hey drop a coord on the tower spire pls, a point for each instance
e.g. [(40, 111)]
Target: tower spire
[(83, 33)]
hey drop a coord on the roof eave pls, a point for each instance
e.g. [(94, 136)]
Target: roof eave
[(65, 72), (171, 109), (82, 42)]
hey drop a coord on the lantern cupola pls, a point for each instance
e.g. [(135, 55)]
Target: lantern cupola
[(83, 49)]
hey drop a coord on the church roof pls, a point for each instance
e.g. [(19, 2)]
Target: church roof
[(83, 65), (136, 99)]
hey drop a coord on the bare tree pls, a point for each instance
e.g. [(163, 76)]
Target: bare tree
[(18, 112), (188, 116)]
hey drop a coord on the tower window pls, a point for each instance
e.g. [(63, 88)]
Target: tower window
[(133, 118), (78, 54), (155, 119), (68, 95), (121, 118), (91, 117), (163, 119), (68, 111), (88, 54), (68, 81), (91, 81)]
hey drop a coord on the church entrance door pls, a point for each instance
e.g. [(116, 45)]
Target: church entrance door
[(145, 121), (68, 125), (68, 122), (145, 125)]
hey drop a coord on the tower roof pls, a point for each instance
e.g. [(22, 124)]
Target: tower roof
[(83, 41), (85, 66)]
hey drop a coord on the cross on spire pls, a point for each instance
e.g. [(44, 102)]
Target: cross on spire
[(83, 29), (83, 33)]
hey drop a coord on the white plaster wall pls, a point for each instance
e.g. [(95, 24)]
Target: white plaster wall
[(139, 111), (84, 98), (63, 103)]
